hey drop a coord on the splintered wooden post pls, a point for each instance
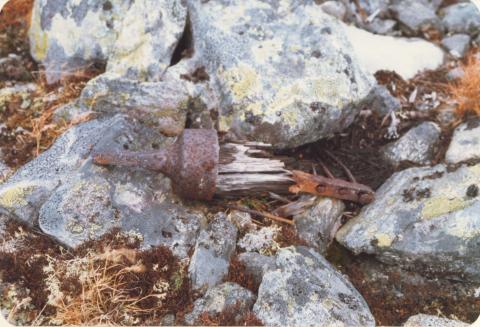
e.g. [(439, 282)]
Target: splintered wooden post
[(249, 169), (200, 168)]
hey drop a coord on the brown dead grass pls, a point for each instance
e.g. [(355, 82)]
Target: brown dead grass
[(466, 91), (16, 12)]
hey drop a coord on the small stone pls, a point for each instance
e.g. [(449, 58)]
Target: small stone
[(220, 298), (318, 224), (305, 290), (257, 264), (457, 45), (465, 143), (243, 220), (382, 101), (446, 114), (455, 73), (423, 320), (462, 18), (211, 257), (417, 146), (416, 15), (382, 26), (334, 8)]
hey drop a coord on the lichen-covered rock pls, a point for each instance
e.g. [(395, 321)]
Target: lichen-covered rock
[(416, 16), (425, 219), (405, 56), (318, 224), (305, 290), (285, 74), (457, 44), (462, 18), (423, 320), (417, 146), (211, 257), (465, 144), (163, 102), (149, 34), (257, 264), (220, 298), (76, 201), (136, 38)]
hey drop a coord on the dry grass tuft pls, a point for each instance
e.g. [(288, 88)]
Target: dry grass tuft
[(466, 91)]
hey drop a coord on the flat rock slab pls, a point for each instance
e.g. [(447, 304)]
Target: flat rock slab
[(465, 144), (285, 74), (76, 201), (425, 219), (305, 290)]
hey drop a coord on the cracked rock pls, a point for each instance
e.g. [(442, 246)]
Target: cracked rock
[(211, 258)]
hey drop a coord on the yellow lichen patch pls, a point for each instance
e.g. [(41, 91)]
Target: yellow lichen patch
[(38, 38), (442, 205), (242, 80), (384, 240), (463, 228), (14, 196)]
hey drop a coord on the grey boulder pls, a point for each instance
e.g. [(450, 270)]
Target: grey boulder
[(457, 44), (285, 75), (136, 39), (211, 258), (462, 17), (220, 298), (465, 143), (416, 16), (305, 290), (76, 201), (425, 219), (417, 146)]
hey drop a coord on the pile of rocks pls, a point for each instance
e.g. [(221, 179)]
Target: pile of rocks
[(286, 73)]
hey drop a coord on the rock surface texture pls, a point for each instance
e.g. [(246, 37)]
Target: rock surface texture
[(69, 34), (275, 82), (465, 144), (424, 219), (76, 201), (305, 290), (422, 320)]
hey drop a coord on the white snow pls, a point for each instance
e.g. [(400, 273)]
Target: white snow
[(405, 56)]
